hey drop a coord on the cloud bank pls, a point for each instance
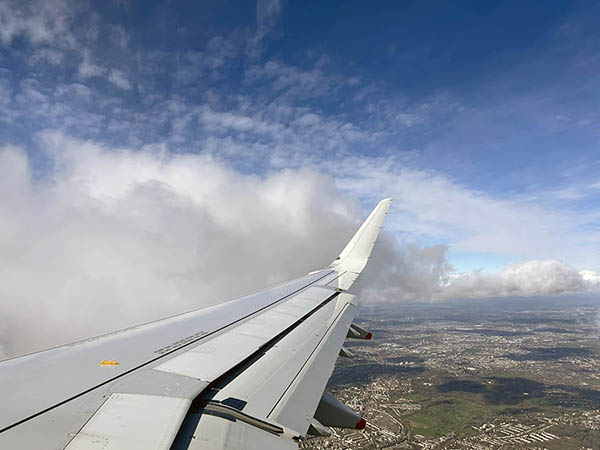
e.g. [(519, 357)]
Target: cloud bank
[(409, 273), (107, 238), (111, 238), (530, 278)]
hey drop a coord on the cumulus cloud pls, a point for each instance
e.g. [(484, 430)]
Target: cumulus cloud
[(590, 277), (403, 272), (423, 274), (530, 278), (112, 237)]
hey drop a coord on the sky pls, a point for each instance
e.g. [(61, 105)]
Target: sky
[(152, 151)]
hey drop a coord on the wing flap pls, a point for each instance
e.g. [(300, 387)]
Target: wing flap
[(298, 404), (285, 385), (212, 432), (209, 360), (133, 421)]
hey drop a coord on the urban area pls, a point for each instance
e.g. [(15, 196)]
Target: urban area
[(497, 374)]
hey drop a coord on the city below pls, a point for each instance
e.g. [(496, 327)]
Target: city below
[(489, 374)]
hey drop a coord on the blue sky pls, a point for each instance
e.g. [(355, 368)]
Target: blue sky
[(480, 118)]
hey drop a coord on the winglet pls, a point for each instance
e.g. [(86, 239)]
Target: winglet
[(353, 259)]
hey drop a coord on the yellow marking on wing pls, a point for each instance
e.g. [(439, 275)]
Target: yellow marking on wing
[(108, 363)]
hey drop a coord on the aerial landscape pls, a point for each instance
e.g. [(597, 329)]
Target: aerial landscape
[(504, 375)]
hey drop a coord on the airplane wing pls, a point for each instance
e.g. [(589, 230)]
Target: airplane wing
[(249, 373)]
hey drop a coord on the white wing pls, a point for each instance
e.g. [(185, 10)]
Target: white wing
[(248, 373)]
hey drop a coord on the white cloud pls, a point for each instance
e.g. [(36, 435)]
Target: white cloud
[(409, 120), (590, 277), (530, 278), (430, 205), (113, 237), (41, 21), (117, 237), (47, 55), (403, 273), (196, 66), (88, 69), (291, 82), (119, 79), (73, 91), (423, 274), (222, 121)]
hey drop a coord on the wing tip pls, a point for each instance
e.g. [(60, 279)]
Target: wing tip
[(355, 255), (384, 204)]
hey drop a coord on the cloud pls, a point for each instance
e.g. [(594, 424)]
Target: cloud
[(114, 237), (46, 55), (119, 36), (118, 78), (430, 205), (88, 69), (292, 83), (530, 278), (590, 277), (423, 274), (403, 273), (267, 15), (228, 121), (42, 21)]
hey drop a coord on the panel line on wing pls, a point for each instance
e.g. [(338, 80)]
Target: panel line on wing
[(146, 363), (238, 369), (332, 325)]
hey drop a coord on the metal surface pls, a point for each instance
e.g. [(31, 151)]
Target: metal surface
[(284, 386), (269, 353), (127, 421), (48, 396), (333, 413), (209, 360), (353, 259)]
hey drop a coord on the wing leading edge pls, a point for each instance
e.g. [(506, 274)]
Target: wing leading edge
[(249, 373)]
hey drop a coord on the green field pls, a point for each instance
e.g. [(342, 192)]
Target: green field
[(441, 417), (457, 411)]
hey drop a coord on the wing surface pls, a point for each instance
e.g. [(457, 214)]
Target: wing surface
[(248, 373)]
